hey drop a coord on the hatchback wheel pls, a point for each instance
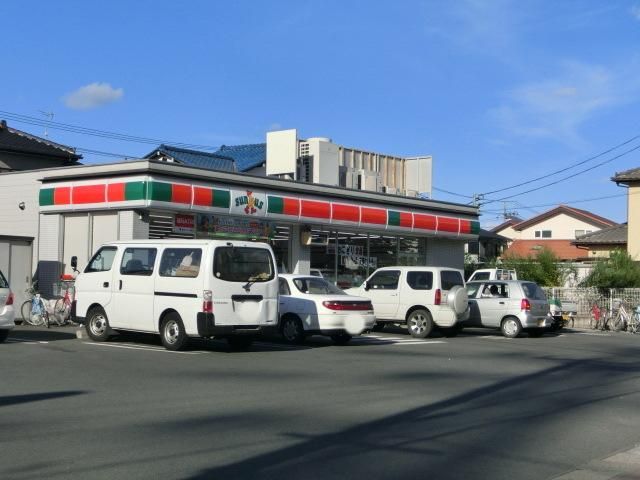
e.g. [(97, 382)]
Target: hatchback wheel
[(420, 323), (511, 327)]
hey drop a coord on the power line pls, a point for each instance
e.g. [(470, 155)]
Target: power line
[(98, 133), (584, 200), (566, 178), (566, 168), (451, 193)]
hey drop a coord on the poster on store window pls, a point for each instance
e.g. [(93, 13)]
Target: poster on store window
[(212, 226), (183, 223)]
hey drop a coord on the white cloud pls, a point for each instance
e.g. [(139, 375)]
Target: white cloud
[(92, 96), (557, 107), (635, 11)]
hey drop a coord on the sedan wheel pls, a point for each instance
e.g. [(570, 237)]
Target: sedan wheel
[(420, 324), (292, 330)]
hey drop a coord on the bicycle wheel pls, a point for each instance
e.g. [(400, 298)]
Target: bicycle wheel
[(25, 311), (61, 312)]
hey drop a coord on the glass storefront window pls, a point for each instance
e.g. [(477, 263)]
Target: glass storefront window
[(412, 251), (384, 249), (280, 245)]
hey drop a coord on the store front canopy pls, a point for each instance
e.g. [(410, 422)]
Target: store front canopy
[(156, 185)]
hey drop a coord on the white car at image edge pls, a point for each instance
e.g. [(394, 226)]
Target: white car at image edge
[(7, 313), (310, 305)]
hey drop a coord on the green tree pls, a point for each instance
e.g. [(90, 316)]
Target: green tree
[(618, 271), (545, 269)]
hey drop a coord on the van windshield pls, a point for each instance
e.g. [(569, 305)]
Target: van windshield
[(243, 264)]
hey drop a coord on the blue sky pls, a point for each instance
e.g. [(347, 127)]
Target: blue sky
[(499, 92)]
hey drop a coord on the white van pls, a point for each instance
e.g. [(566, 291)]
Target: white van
[(493, 274), (179, 289)]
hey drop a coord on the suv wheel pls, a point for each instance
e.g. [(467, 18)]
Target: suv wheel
[(420, 323)]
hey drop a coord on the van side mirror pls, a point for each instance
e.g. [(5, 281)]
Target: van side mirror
[(74, 262)]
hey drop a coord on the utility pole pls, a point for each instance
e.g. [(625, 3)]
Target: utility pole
[(49, 115)]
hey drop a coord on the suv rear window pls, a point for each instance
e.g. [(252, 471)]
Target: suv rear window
[(420, 280), (243, 264), (450, 278)]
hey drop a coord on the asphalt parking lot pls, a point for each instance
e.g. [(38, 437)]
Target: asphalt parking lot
[(385, 406)]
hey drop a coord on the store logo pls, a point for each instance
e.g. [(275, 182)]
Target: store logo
[(251, 203)]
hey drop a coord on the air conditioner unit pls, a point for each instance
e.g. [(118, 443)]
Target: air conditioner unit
[(410, 193), (369, 180), (390, 190)]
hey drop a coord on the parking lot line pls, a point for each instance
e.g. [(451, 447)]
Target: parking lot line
[(150, 349), (418, 342), (24, 340)]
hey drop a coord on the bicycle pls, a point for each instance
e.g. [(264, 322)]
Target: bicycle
[(38, 314), (621, 319), (25, 308), (634, 322), (62, 308)]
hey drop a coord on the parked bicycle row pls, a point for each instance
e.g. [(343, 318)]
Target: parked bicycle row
[(619, 318), (37, 310)]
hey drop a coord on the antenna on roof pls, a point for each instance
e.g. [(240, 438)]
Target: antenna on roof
[(49, 115)]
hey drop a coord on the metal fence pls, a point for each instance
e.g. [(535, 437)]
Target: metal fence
[(585, 298)]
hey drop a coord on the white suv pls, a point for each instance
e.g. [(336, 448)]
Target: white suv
[(418, 297)]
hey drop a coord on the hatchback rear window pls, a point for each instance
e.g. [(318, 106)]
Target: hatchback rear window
[(243, 264), (451, 278), (533, 291), (3, 281)]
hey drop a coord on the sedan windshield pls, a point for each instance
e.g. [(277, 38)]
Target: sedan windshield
[(315, 285)]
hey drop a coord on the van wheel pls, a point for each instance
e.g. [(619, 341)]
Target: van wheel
[(341, 338), (172, 332), (420, 324), (291, 328), (97, 325), (240, 342), (511, 327)]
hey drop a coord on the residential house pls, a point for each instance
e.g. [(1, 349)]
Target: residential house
[(556, 229), (631, 180), (601, 243)]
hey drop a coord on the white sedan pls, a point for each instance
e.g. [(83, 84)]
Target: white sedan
[(7, 313), (311, 305)]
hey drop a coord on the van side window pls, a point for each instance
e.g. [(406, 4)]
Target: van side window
[(384, 280), (450, 278), (243, 264), (180, 262), (138, 261), (420, 280), (102, 260)]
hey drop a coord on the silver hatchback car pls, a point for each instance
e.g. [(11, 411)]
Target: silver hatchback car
[(510, 305)]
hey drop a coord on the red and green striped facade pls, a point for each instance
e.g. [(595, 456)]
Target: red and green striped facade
[(153, 193)]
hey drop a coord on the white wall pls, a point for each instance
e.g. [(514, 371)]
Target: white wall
[(562, 227), (419, 174)]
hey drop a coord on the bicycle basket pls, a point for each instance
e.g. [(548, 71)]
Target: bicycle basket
[(60, 288)]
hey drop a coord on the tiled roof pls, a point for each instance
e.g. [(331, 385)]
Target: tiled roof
[(246, 156), (584, 215), (17, 141), (509, 222), (563, 249), (194, 158), (632, 175), (616, 235)]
